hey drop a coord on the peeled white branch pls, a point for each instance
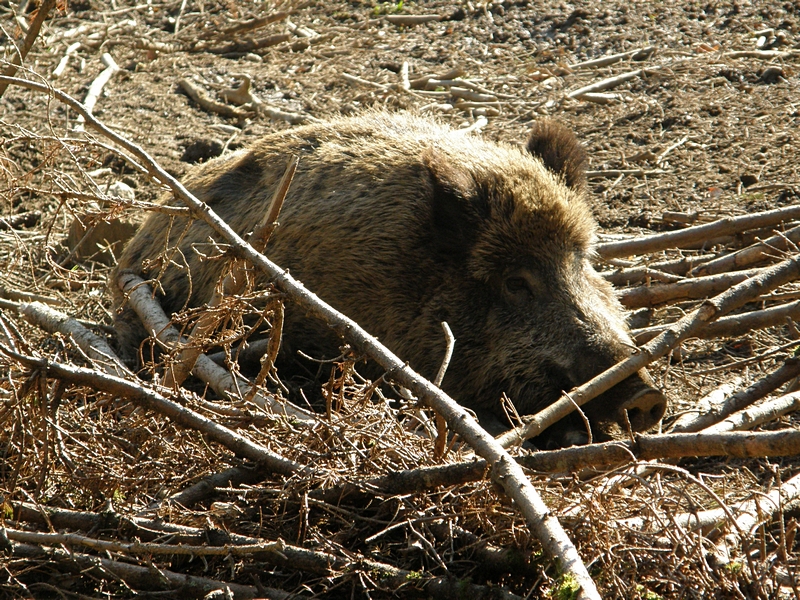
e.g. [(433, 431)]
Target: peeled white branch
[(97, 87), (93, 345)]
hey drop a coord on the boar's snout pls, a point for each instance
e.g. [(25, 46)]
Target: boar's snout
[(632, 405), (644, 409)]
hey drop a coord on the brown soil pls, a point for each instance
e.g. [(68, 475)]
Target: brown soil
[(714, 134)]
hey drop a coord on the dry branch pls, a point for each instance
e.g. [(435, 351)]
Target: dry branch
[(733, 326), (575, 459), (249, 25), (605, 61), (226, 384), (207, 487), (758, 415), (668, 271), (786, 372), (33, 31), (736, 444), (244, 46), (603, 98), (765, 54), (505, 471), (207, 103), (235, 442), (412, 19), (699, 233), (94, 346), (707, 404), (687, 289), (686, 327), (137, 576), (62, 65), (612, 82), (750, 514), (622, 172), (141, 548), (96, 88), (751, 255), (27, 296)]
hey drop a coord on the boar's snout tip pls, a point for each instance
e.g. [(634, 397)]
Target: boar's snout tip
[(645, 408)]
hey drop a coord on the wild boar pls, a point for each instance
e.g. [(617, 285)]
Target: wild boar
[(401, 223)]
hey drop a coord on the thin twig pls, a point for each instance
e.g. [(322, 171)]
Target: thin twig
[(33, 31)]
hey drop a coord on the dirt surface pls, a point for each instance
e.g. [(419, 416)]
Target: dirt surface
[(707, 129)]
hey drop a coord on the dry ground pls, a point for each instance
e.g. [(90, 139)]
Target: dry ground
[(709, 129)]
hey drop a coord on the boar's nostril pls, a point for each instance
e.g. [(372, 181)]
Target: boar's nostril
[(645, 409)]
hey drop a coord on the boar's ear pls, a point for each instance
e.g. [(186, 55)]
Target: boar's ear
[(457, 206), (560, 151)]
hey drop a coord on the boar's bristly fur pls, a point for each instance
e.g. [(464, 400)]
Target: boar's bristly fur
[(402, 223)]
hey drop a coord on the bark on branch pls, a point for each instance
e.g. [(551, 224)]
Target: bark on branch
[(699, 233)]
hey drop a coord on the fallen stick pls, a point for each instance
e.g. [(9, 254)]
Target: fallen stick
[(27, 296), (669, 271), (611, 59), (686, 327), (136, 576), (707, 403), (736, 444), (687, 289), (207, 486), (235, 442), (366, 82), (33, 31), (281, 115), (603, 455), (249, 25), (420, 83), (750, 514), (758, 415), (95, 347), (504, 470), (732, 326), (633, 275), (226, 384), (617, 172), (208, 104), (613, 82), (432, 83), (412, 19), (471, 95), (246, 45), (786, 372), (602, 98), (62, 64), (767, 54), (699, 233), (746, 257), (141, 548), (96, 88)]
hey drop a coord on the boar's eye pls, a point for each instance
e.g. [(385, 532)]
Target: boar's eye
[(518, 288)]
